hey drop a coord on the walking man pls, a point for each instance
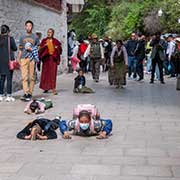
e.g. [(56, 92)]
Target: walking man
[(140, 56), (170, 52), (132, 62), (96, 52)]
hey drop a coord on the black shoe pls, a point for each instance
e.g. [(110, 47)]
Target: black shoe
[(151, 82), (23, 97), (28, 97), (97, 80), (140, 79), (45, 91), (162, 82)]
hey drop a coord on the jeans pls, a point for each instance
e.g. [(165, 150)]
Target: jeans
[(157, 72), (132, 66), (149, 63), (3, 78)]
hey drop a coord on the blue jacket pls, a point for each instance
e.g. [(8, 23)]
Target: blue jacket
[(99, 126)]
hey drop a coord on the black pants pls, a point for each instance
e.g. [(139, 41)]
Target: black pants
[(140, 69), (160, 65), (177, 66), (83, 65), (3, 78)]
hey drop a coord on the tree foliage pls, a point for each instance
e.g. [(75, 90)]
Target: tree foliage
[(123, 17)]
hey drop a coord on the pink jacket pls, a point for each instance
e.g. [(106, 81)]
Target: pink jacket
[(41, 106)]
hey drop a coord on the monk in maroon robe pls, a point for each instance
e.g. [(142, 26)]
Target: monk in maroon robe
[(49, 54)]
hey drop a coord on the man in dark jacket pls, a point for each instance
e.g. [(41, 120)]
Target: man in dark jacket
[(132, 62), (158, 56), (140, 56)]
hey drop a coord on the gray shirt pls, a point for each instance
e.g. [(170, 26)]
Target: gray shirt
[(31, 38)]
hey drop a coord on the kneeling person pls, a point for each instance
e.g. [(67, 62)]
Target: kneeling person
[(80, 84), (84, 125), (41, 129)]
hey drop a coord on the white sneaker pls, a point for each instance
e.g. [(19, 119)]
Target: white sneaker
[(1, 98), (12, 99), (9, 99)]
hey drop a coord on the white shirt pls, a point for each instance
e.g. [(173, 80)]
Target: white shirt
[(75, 51), (87, 52), (170, 49)]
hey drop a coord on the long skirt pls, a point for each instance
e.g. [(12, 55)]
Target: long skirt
[(49, 74), (111, 74), (119, 74)]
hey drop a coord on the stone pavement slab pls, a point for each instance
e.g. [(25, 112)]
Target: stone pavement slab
[(145, 142)]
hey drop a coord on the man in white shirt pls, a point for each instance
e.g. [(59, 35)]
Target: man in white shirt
[(95, 51), (169, 54)]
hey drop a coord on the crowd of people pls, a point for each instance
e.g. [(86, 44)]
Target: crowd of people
[(31, 54), (157, 55)]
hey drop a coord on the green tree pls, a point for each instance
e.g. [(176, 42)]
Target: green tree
[(119, 18), (94, 19)]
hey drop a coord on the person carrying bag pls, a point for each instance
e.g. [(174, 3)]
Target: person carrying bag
[(13, 63), (7, 46)]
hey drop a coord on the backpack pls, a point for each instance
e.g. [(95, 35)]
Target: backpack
[(88, 107)]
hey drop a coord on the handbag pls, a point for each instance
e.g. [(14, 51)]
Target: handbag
[(13, 64)]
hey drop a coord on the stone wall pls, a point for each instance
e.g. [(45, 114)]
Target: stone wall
[(14, 13)]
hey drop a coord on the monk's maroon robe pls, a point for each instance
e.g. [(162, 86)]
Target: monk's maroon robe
[(49, 64)]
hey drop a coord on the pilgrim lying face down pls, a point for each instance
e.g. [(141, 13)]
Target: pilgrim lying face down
[(41, 129), (38, 106), (86, 122), (85, 125)]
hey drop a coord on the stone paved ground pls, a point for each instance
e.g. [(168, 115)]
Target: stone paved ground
[(145, 144)]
